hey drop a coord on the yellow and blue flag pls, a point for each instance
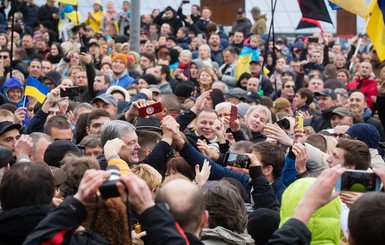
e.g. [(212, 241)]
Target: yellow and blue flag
[(376, 26), (357, 7), (73, 2), (247, 54), (36, 89)]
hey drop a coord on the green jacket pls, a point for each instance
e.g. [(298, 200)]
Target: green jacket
[(324, 225)]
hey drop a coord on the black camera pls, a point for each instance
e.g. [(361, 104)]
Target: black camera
[(284, 123), (109, 188)]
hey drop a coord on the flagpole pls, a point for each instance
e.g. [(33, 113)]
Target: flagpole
[(359, 42)]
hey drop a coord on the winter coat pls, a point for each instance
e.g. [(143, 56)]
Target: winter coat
[(220, 235), (324, 224)]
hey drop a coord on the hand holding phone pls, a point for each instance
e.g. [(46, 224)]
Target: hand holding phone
[(69, 92), (358, 181), (237, 160)]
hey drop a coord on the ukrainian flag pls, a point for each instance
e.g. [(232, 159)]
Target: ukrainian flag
[(376, 26), (247, 54), (73, 2), (357, 7), (36, 89)]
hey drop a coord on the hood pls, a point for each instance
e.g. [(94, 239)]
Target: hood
[(227, 236), (325, 222), (198, 62), (12, 83)]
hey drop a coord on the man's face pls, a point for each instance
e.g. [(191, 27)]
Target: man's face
[(49, 83), (214, 40), (129, 151), (94, 49), (316, 57), (35, 69), (337, 120), (169, 14), (81, 79), (357, 102), (4, 56), (316, 85), (298, 101), (252, 84), (110, 108), (165, 29), (153, 29), (325, 103), (158, 73), (238, 37), (205, 122), (224, 113), (50, 3), (27, 42), (99, 83), (14, 95), (8, 139), (255, 68), (61, 134), (288, 90), (96, 125), (93, 151), (45, 67), (228, 58), (339, 132), (40, 44), (42, 146), (337, 157), (294, 65), (144, 63), (365, 69)]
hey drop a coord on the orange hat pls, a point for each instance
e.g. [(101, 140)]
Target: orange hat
[(122, 57)]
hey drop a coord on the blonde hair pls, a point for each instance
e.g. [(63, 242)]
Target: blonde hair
[(149, 174), (259, 108), (331, 144)]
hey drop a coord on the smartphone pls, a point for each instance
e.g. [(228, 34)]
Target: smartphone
[(313, 40), (185, 1), (199, 37), (70, 91), (299, 120), (233, 115), (358, 181), (150, 110), (83, 49), (236, 160)]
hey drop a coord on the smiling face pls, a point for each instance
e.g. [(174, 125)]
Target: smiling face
[(205, 122), (14, 95), (205, 78), (118, 66), (129, 151), (256, 121)]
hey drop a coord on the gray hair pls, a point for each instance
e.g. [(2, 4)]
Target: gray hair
[(82, 105), (260, 108), (91, 140), (115, 129), (36, 136), (222, 105)]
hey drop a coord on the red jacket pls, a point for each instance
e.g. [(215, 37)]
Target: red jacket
[(367, 86)]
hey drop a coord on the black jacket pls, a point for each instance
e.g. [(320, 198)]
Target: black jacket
[(63, 220), (322, 122), (293, 232)]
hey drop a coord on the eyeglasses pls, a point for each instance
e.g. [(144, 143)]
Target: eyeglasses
[(4, 56), (341, 136), (289, 86)]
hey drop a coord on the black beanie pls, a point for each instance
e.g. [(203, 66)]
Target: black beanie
[(150, 79)]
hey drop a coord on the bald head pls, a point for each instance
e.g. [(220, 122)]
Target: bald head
[(365, 69), (186, 203)]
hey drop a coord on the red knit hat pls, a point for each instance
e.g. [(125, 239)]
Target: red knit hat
[(122, 57)]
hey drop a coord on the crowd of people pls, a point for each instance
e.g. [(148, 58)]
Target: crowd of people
[(133, 147)]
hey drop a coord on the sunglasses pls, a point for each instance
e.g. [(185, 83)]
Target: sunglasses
[(4, 56)]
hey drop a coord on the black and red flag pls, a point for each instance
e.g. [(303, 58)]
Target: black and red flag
[(314, 9), (308, 23)]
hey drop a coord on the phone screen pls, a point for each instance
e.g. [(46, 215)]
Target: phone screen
[(237, 160), (358, 181)]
